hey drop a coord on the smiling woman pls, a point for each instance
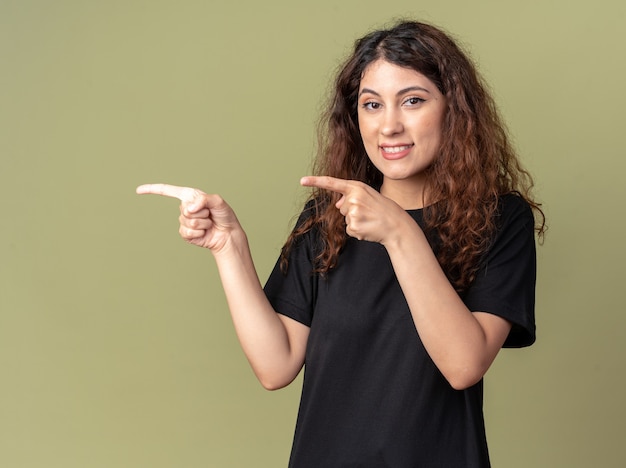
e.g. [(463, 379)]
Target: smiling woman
[(400, 116), (411, 266)]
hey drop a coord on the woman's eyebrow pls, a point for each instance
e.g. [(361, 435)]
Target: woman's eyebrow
[(402, 91)]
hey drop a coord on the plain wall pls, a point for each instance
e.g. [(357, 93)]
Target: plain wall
[(116, 348)]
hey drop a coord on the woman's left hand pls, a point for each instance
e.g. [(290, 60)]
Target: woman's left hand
[(369, 215)]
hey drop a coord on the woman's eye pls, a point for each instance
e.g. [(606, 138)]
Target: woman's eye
[(371, 105), (414, 101)]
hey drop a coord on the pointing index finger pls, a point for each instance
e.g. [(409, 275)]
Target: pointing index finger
[(184, 194), (326, 182)]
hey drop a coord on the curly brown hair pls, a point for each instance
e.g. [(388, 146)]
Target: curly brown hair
[(476, 163)]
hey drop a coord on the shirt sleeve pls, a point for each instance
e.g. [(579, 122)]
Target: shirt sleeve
[(505, 283), (293, 293)]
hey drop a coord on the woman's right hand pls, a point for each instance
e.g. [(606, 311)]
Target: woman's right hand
[(274, 344), (205, 220)]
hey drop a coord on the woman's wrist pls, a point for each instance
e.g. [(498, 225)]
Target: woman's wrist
[(403, 231), (236, 245)]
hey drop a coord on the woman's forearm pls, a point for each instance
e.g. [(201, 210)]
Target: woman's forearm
[(461, 343), (274, 345)]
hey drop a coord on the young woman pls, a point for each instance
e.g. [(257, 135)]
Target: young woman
[(411, 266)]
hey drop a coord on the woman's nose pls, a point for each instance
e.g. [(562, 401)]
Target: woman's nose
[(392, 123)]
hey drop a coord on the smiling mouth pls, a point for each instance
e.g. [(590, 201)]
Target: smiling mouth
[(395, 149)]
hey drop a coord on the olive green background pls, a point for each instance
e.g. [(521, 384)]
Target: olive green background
[(116, 348)]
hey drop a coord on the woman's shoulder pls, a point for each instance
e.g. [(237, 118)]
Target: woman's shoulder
[(513, 204), (310, 210), (307, 230), (514, 214)]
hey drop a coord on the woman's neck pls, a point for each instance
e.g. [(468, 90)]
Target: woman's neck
[(408, 194)]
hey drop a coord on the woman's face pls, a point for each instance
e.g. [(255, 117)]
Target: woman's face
[(400, 114)]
